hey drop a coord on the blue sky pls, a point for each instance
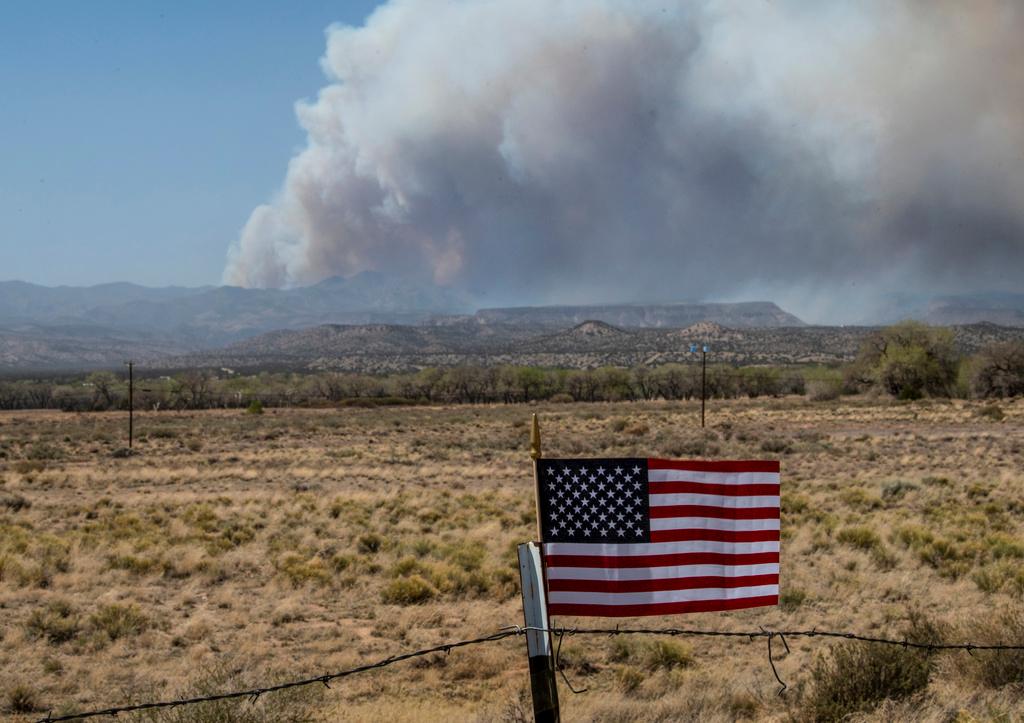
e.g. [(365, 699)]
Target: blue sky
[(136, 137)]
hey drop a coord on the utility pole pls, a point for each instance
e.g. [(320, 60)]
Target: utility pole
[(703, 377), (131, 400), (703, 381)]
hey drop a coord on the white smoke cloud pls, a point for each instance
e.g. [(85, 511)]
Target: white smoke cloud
[(596, 150)]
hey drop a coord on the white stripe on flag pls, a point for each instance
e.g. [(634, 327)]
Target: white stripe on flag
[(659, 596), (658, 548), (713, 500), (720, 478), (712, 523), (659, 573)]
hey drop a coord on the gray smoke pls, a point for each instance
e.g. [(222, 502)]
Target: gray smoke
[(598, 150)]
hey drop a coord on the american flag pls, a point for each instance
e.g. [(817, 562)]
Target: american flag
[(627, 537)]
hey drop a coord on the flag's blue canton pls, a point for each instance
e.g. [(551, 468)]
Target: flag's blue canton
[(594, 500)]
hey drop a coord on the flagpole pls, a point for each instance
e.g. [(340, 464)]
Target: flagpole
[(535, 456), (535, 608)]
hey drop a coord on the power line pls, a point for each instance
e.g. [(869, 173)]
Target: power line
[(253, 694)]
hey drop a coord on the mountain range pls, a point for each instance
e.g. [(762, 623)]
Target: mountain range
[(372, 314)]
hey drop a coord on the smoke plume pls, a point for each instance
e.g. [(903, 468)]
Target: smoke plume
[(599, 150)]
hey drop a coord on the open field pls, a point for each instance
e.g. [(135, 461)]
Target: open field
[(237, 548)]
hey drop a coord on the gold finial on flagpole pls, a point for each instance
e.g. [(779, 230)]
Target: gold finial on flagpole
[(535, 439)]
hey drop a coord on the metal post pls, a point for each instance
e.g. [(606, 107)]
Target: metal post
[(535, 608), (538, 642), (703, 382), (131, 402)]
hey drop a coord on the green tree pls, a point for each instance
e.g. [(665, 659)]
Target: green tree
[(531, 382), (998, 371), (102, 384), (908, 360)]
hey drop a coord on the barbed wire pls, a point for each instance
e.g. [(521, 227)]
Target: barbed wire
[(253, 694), (770, 635)]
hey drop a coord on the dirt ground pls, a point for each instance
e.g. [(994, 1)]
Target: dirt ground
[(235, 549)]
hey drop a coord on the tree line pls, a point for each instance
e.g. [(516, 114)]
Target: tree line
[(908, 361)]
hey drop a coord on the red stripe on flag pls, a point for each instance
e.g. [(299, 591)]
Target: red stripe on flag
[(704, 466), (721, 513), (691, 606), (715, 535), (679, 558), (700, 488), (670, 583)]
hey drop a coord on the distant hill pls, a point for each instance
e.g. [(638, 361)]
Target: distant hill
[(210, 317), (1005, 309), (392, 348), (27, 349), (741, 315)]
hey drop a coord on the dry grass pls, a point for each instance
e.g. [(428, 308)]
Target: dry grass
[(248, 547)]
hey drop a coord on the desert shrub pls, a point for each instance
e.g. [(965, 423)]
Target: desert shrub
[(14, 502), (468, 555), (988, 579), (405, 567), (22, 699), (792, 598), (948, 558), (255, 407), (855, 676), (295, 705), (44, 451), (863, 538), (995, 668), (628, 678), (340, 563), (895, 491), (505, 584), (651, 655), (991, 412), (29, 466), (453, 580), (48, 556), (668, 654), (562, 398), (819, 390), (1001, 546), (408, 591), (859, 498), (133, 563), (57, 622), (776, 446), (369, 543), (299, 570), (639, 429), (794, 504), (118, 621), (883, 558)]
